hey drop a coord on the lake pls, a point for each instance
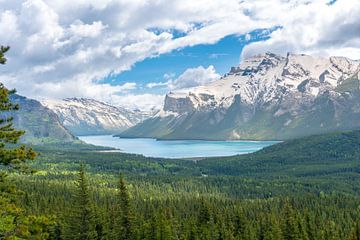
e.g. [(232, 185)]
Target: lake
[(177, 148)]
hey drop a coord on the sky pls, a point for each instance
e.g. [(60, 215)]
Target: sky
[(130, 53)]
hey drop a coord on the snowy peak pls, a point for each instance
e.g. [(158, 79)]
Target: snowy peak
[(267, 96), (256, 64), (88, 116), (264, 78)]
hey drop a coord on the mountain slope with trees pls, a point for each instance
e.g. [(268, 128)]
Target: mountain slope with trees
[(41, 125)]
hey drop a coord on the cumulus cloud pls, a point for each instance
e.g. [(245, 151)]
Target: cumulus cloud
[(67, 47), (144, 101), (191, 77), (156, 84), (316, 28), (86, 30), (58, 44)]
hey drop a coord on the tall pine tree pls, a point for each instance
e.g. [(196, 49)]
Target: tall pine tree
[(290, 226), (8, 134), (124, 228), (14, 223), (81, 223)]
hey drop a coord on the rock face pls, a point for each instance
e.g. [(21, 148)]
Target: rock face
[(266, 97), (88, 117), (41, 125)]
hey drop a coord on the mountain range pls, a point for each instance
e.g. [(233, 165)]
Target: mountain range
[(267, 96), (83, 116)]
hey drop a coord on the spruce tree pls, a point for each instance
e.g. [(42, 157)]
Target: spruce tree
[(14, 223), (13, 156), (240, 225), (81, 222), (204, 220), (290, 227), (124, 228), (3, 50)]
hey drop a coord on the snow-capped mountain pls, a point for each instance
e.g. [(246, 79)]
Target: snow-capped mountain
[(267, 96), (87, 116)]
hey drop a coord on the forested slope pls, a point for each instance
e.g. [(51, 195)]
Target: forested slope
[(300, 189)]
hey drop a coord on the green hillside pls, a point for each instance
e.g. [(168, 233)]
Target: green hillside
[(41, 124), (315, 155)]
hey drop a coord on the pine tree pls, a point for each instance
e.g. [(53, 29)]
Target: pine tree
[(240, 225), (151, 226), (3, 50), (310, 225), (290, 228), (269, 228), (204, 220), (81, 222), (124, 222), (165, 231), (8, 134), (14, 224)]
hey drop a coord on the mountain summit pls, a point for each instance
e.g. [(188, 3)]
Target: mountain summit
[(83, 116), (267, 96)]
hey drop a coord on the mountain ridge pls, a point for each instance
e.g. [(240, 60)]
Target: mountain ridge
[(40, 124), (266, 97), (85, 116)]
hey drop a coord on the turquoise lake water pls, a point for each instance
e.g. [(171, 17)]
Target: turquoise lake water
[(177, 148)]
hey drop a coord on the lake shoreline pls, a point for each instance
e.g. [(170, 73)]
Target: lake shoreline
[(194, 139), (193, 150)]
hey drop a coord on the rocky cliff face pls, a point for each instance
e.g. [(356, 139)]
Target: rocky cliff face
[(266, 97), (87, 116), (40, 124)]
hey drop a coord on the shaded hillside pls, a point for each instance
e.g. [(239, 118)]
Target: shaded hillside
[(41, 124)]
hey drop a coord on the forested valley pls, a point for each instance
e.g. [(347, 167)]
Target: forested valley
[(80, 192)]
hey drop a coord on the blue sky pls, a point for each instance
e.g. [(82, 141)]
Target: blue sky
[(222, 55)]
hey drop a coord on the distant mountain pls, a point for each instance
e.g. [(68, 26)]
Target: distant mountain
[(267, 96), (40, 123), (87, 116)]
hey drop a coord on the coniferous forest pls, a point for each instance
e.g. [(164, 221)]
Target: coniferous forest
[(306, 188)]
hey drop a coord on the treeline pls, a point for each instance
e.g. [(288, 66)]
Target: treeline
[(88, 212)]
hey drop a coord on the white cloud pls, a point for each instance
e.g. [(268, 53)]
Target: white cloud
[(8, 26), (156, 84), (87, 30), (314, 28), (56, 42), (63, 47), (191, 77), (144, 101), (217, 55)]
